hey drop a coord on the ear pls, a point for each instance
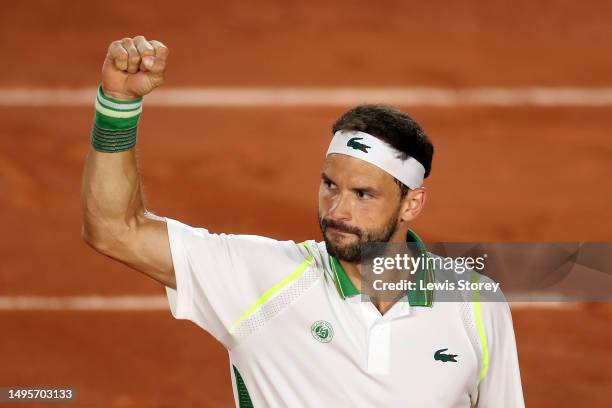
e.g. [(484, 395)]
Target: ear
[(412, 204)]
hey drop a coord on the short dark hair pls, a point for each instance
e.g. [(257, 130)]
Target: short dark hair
[(393, 127)]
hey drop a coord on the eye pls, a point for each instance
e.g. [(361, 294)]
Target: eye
[(362, 194), (328, 183)]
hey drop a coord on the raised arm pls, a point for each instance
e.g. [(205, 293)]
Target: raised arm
[(115, 221)]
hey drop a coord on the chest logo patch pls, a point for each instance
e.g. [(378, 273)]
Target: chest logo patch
[(445, 358), (322, 331)]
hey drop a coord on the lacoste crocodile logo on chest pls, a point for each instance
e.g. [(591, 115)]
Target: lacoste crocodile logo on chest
[(445, 358)]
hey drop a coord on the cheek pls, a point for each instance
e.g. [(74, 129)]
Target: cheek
[(325, 202), (365, 213), (321, 198), (371, 213), (327, 197)]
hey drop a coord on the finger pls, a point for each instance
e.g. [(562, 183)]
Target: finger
[(146, 51), (118, 55), (161, 51), (133, 55), (158, 65)]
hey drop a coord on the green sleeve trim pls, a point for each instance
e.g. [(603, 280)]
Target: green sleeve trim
[(244, 399)]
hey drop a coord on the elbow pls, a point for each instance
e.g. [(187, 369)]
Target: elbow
[(103, 240), (94, 240), (110, 238)]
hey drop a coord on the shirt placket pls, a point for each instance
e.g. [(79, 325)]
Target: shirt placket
[(379, 332)]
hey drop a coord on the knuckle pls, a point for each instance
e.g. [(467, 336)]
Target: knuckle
[(128, 45), (118, 49), (158, 44), (148, 51)]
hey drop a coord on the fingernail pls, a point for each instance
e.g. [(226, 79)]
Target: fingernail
[(148, 61)]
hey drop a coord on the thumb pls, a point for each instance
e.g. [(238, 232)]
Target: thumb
[(148, 62), (154, 65)]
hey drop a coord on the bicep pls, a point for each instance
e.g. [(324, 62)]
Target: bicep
[(147, 249)]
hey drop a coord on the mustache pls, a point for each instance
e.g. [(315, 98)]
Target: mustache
[(325, 223)]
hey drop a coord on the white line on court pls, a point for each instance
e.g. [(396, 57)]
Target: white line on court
[(132, 303), (545, 305), (323, 97), (92, 303)]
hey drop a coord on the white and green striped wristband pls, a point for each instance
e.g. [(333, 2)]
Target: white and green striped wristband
[(115, 124)]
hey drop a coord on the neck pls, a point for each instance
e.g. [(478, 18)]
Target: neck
[(353, 271)]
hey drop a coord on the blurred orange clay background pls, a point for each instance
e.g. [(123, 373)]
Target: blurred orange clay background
[(514, 173)]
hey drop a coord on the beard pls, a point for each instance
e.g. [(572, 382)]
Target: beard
[(362, 249)]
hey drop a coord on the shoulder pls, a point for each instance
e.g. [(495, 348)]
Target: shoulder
[(251, 245), (263, 259), (483, 297), (320, 256)]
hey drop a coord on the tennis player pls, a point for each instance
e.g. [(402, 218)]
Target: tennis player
[(293, 317)]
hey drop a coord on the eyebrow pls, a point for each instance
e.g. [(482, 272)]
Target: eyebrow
[(325, 177), (369, 190)]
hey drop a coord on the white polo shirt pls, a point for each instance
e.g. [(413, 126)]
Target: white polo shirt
[(299, 335)]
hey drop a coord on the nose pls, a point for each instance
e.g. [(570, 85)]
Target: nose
[(340, 209)]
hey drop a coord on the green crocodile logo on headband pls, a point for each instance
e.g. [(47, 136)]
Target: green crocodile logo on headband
[(358, 146)]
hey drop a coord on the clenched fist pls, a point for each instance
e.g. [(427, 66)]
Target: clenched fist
[(133, 67)]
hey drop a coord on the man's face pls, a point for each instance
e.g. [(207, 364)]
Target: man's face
[(358, 204)]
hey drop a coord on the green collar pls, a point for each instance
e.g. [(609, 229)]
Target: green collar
[(416, 297)]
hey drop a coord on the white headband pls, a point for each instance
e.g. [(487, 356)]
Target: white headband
[(373, 150)]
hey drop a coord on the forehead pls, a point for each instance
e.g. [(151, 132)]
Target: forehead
[(343, 168)]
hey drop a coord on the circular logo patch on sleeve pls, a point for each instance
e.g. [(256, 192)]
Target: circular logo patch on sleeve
[(322, 331)]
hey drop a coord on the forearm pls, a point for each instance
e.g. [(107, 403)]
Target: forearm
[(111, 196), (114, 220)]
